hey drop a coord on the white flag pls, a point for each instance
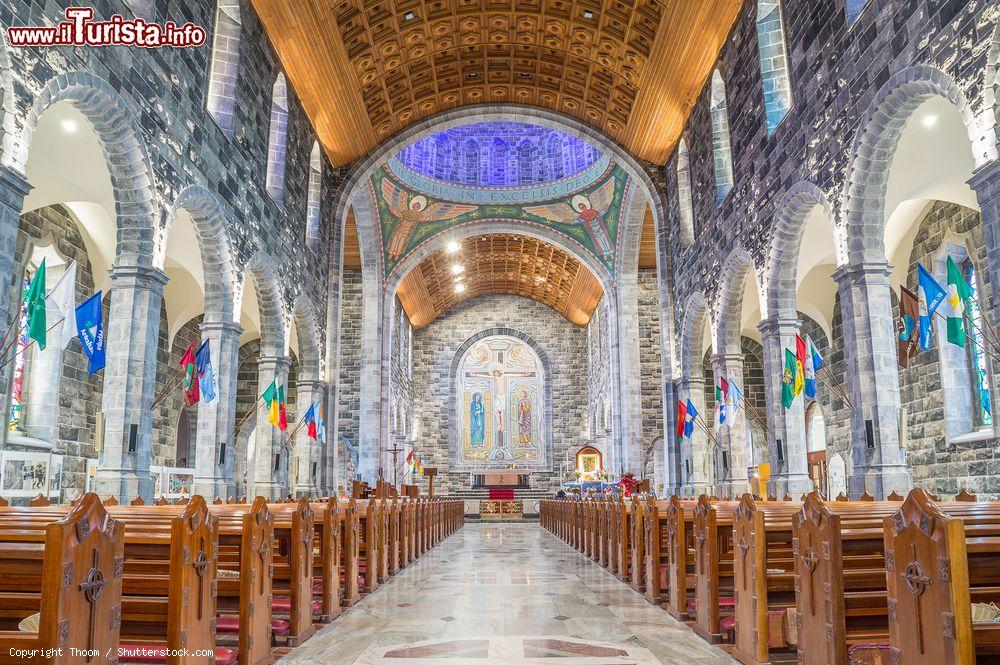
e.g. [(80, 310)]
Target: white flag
[(63, 296)]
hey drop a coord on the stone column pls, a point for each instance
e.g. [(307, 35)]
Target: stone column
[(216, 419), (370, 384), (878, 464), (307, 452), (736, 444), (697, 481), (13, 188), (625, 357), (130, 382), (267, 478), (986, 183), (786, 427)]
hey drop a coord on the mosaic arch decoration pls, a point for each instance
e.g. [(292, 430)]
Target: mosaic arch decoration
[(587, 216), (500, 403)]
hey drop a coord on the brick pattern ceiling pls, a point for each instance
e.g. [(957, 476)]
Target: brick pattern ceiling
[(500, 264), (365, 69)]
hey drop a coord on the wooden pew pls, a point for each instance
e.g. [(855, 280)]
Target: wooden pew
[(72, 578), (635, 565), (714, 597)]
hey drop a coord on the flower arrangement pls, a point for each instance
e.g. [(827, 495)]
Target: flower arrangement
[(628, 483)]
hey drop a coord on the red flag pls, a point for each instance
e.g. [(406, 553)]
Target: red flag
[(190, 367), (800, 364), (681, 419)]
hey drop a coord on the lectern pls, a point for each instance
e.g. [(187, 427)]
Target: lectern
[(429, 473)]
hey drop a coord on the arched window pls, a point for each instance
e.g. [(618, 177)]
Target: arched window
[(722, 153), (277, 139), (471, 160), (525, 163), (684, 194), (313, 197), (224, 63), (773, 63), (979, 378), (18, 387), (854, 9)]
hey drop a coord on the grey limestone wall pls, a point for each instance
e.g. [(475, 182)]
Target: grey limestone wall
[(599, 409), (349, 380), (649, 359), (434, 349)]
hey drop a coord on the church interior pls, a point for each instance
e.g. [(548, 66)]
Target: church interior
[(612, 331)]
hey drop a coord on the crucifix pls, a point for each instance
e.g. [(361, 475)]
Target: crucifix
[(809, 561), (201, 563), (395, 450), (498, 375)]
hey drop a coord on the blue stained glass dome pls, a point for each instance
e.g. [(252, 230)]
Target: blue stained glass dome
[(499, 154)]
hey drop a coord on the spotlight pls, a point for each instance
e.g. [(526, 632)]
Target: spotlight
[(68, 126), (459, 288), (408, 16), (453, 247), (930, 120), (457, 269), (588, 14)]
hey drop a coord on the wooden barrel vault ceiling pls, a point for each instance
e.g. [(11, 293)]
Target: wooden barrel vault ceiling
[(366, 69)]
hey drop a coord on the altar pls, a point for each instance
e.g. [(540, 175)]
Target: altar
[(513, 478)]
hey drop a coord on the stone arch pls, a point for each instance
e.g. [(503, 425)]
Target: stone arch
[(874, 147), (786, 241), (991, 91), (456, 361), (307, 332), (692, 332), (354, 183), (8, 123), (124, 151), (215, 247), (737, 267), (262, 269)]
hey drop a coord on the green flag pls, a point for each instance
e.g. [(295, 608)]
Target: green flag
[(788, 380), (959, 293), (35, 301)]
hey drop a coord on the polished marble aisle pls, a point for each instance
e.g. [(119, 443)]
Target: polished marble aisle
[(505, 593)]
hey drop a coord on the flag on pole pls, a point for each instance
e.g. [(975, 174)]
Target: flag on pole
[(409, 455), (788, 380), (64, 297), (321, 422), (690, 414), (274, 397), (310, 418), (800, 365), (813, 362), (35, 301), (681, 420), (959, 293), (721, 391), (733, 402), (190, 367), (206, 378), (931, 294), (909, 314), (90, 330)]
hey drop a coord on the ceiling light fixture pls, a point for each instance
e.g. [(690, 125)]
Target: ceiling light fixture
[(69, 126), (588, 14), (930, 120), (457, 269), (459, 288), (453, 247), (408, 16)]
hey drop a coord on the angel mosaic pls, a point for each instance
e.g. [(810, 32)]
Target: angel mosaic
[(412, 210), (586, 210)]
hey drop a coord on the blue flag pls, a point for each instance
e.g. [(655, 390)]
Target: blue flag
[(930, 295), (690, 414), (206, 380), (90, 330)]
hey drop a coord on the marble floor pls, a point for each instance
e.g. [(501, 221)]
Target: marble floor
[(505, 593)]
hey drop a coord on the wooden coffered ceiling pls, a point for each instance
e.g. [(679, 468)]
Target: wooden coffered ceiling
[(365, 69), (493, 264)]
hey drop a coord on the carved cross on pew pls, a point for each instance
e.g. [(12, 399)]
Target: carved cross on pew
[(92, 588), (307, 551), (262, 552), (201, 564), (917, 583), (809, 561), (700, 536), (743, 555)]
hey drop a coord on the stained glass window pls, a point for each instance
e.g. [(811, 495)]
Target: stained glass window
[(977, 357)]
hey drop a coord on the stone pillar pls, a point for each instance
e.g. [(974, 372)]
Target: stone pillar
[(216, 419), (370, 406), (13, 188), (878, 464), (130, 382), (307, 452), (625, 357), (786, 427), (986, 183), (736, 444), (697, 481), (268, 479)]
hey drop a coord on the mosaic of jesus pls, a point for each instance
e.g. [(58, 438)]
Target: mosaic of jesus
[(500, 382)]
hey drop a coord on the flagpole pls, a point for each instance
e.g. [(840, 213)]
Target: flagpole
[(26, 346), (836, 387), (245, 418), (992, 353), (166, 391)]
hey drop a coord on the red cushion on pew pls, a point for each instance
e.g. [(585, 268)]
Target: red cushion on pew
[(231, 624), (692, 605), (727, 602), (727, 623), (284, 604), (143, 653)]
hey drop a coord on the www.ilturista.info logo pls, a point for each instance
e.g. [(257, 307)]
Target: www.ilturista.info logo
[(79, 29)]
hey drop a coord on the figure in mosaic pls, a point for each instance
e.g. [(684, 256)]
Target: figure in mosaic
[(413, 210)]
